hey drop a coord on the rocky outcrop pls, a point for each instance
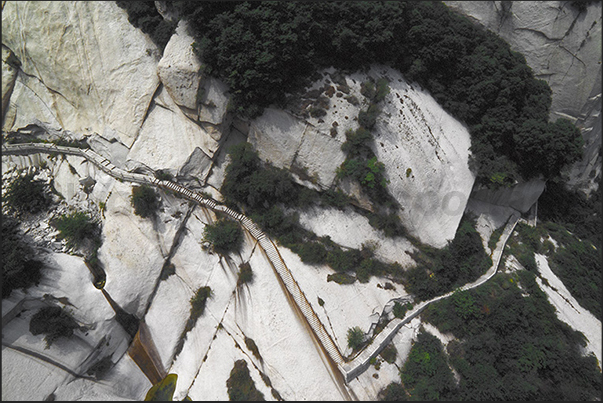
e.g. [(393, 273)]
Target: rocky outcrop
[(94, 71), (167, 137), (180, 70), (562, 45), (425, 151)]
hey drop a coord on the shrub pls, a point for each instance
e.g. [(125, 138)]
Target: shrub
[(26, 195), (53, 322), (163, 390), (199, 300), (225, 236), (145, 201), (341, 261), (389, 353), (368, 118), (400, 310), (240, 384), (355, 337), (245, 274), (341, 278), (163, 175), (253, 347), (76, 227)]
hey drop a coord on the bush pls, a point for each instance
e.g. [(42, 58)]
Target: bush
[(356, 338), (77, 227), (245, 274), (368, 118), (341, 278), (198, 302), (389, 353), (400, 310), (240, 384), (145, 201), (26, 195), (53, 322), (250, 343), (225, 236)]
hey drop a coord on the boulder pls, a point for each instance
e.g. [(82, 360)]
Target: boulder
[(97, 70), (179, 69)]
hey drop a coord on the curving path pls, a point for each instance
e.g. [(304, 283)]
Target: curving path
[(361, 362), (350, 369)]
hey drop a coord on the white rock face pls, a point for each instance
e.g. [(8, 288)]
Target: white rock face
[(179, 68), (563, 47), (425, 151), (352, 230), (168, 137), (101, 72)]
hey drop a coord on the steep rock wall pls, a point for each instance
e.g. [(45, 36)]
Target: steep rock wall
[(99, 71)]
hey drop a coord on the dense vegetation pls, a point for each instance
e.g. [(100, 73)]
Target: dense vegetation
[(144, 15), (240, 384), (573, 210), (26, 195), (264, 50), (425, 374), (511, 346), (54, 322), (441, 270), (19, 269)]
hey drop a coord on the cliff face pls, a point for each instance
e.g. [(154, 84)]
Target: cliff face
[(80, 70), (562, 45)]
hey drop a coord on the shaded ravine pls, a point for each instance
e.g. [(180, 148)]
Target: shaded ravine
[(349, 369)]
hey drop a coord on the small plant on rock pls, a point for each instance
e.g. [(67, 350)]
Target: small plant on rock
[(145, 201)]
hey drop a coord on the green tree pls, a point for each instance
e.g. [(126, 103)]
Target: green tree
[(145, 201), (225, 236), (356, 338)]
